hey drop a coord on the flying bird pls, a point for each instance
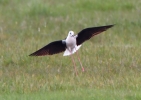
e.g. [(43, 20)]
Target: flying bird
[(71, 44)]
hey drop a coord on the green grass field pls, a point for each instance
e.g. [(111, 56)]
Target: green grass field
[(112, 59)]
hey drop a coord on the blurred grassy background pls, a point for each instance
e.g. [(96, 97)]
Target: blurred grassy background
[(112, 59)]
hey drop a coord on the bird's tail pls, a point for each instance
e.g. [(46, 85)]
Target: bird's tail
[(67, 52)]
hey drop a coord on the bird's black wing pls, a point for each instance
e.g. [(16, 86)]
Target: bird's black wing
[(50, 49), (87, 33)]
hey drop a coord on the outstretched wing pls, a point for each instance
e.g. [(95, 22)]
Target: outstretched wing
[(50, 49), (87, 33)]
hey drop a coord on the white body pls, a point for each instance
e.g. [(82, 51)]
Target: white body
[(71, 44)]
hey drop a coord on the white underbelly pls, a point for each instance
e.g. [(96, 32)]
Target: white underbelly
[(71, 43)]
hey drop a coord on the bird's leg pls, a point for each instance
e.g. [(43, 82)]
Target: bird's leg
[(80, 61), (73, 62)]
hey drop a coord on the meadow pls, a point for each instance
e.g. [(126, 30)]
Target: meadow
[(112, 59)]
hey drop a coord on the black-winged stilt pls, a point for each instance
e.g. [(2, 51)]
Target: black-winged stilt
[(71, 44)]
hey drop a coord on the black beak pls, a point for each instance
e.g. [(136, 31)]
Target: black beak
[(72, 35)]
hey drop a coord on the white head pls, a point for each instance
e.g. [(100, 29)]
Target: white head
[(71, 34)]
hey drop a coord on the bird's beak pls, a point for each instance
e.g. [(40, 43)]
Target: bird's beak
[(73, 35)]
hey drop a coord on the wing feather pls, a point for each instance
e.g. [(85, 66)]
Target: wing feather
[(87, 33), (50, 49)]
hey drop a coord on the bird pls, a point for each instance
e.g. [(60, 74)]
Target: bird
[(71, 43)]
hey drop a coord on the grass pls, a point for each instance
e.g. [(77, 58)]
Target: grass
[(111, 59), (82, 94)]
